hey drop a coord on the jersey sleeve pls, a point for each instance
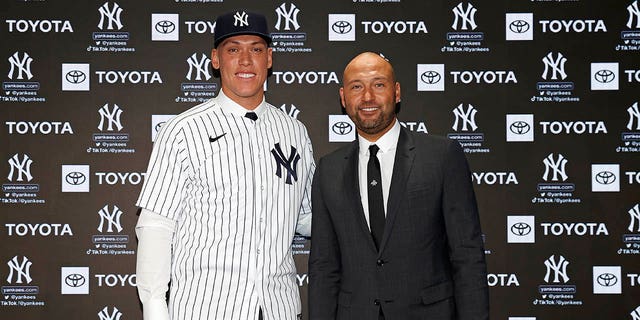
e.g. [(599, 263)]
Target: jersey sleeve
[(162, 191), (304, 218)]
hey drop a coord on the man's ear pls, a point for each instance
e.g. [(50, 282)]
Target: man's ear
[(215, 62)]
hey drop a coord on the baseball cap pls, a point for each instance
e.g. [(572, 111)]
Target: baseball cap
[(238, 23)]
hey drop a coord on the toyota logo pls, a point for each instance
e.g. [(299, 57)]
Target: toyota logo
[(341, 27), (342, 128), (519, 26), (74, 280), (75, 178), (159, 125), (430, 77), (519, 127), (520, 229), (75, 76), (604, 76), (607, 280), (165, 26), (605, 177)]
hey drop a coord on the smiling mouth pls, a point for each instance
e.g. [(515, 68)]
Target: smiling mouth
[(245, 75)]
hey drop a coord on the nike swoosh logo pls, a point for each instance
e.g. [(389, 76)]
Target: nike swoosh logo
[(212, 139)]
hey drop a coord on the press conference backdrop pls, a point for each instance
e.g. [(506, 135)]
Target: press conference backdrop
[(542, 95)]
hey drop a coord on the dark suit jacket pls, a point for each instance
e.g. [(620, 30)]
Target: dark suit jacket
[(431, 260)]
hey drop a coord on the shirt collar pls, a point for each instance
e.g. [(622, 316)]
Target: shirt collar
[(231, 106), (386, 143)]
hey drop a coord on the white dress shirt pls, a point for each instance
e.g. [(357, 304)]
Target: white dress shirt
[(388, 144), (222, 199)]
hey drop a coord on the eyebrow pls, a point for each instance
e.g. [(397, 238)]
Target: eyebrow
[(243, 42), (374, 79)]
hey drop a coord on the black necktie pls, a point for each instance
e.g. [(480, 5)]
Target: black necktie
[(251, 115), (376, 203)]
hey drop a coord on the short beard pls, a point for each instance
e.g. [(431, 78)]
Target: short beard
[(373, 126)]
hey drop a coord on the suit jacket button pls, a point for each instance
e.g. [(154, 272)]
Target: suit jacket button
[(380, 262), (376, 302)]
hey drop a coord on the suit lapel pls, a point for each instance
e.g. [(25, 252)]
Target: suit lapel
[(405, 153), (352, 191)]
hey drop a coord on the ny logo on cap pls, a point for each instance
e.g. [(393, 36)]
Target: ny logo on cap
[(241, 19)]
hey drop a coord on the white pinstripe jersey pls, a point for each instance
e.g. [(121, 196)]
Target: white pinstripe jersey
[(214, 172)]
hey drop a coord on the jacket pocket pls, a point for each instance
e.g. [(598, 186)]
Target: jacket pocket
[(436, 292)]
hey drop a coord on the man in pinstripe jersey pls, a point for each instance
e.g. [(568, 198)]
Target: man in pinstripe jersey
[(228, 185)]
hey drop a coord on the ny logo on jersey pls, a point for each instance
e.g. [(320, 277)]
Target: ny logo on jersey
[(20, 66), (21, 270), (289, 163)]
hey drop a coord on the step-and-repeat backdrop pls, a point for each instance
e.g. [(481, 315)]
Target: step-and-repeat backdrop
[(543, 96)]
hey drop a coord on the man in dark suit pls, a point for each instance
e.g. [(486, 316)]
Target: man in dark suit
[(395, 227)]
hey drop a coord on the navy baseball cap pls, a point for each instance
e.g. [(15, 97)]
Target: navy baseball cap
[(238, 23)]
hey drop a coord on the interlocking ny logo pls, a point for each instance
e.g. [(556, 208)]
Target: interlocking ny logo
[(634, 114), (634, 12), (22, 66), (467, 118), (635, 314), (200, 66), (21, 168), (20, 270), (288, 16), (111, 117), (555, 65), (290, 164), (634, 217), (111, 218), (111, 15), (104, 314), (464, 16), (559, 268), (558, 167), (241, 19), (293, 111)]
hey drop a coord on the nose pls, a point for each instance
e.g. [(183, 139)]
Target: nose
[(245, 58), (367, 95)]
